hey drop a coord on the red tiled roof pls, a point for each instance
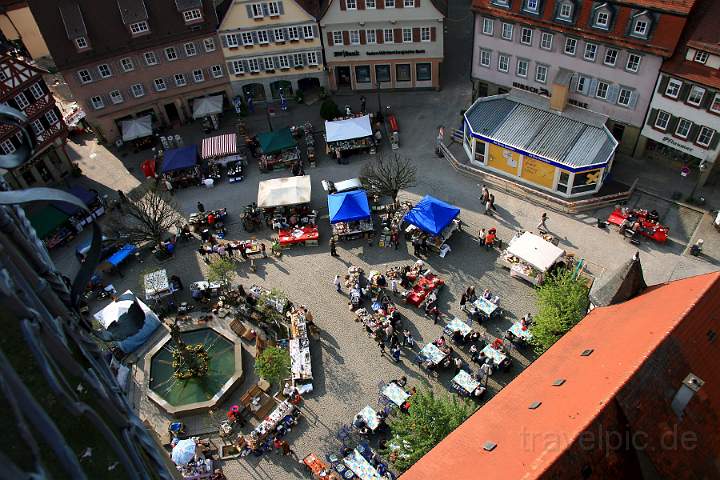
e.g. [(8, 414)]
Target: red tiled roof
[(622, 338), (675, 6)]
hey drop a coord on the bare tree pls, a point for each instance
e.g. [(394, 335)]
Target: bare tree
[(387, 176), (147, 216)]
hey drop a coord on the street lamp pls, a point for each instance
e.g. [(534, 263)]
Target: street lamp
[(380, 114)]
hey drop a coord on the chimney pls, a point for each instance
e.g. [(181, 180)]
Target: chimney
[(560, 90)]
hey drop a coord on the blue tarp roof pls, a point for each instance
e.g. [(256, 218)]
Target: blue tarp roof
[(348, 206), (118, 257), (432, 215), (179, 158), (83, 194)]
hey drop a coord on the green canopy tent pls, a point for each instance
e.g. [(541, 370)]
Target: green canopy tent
[(46, 220), (277, 141)]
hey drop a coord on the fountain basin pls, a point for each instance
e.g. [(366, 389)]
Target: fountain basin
[(185, 397)]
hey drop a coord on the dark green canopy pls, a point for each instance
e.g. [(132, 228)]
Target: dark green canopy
[(271, 142), (46, 220)]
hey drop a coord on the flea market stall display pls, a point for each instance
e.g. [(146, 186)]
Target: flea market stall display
[(222, 151), (529, 257), (394, 131), (128, 321), (209, 223), (286, 203), (179, 166), (299, 347), (350, 214), (432, 221), (305, 131), (208, 109), (139, 132), (639, 221), (344, 137), (278, 150)]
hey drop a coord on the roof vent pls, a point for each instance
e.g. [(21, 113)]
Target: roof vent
[(534, 405), (558, 382), (489, 446), (587, 353)]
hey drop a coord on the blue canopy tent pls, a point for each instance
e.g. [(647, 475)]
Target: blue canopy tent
[(179, 159), (348, 206), (88, 197), (432, 215), (118, 257)]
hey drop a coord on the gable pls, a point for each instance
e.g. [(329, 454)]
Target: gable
[(239, 16), (334, 14)]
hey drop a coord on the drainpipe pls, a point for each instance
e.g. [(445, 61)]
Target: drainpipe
[(472, 53)]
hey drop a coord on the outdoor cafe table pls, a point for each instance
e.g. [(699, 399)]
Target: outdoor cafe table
[(370, 417), (496, 356), (432, 353), (465, 381), (485, 306), (361, 467), (518, 331), (457, 325), (395, 394)]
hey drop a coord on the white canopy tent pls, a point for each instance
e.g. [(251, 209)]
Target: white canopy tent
[(535, 251), (358, 127), (119, 318), (206, 106), (285, 191), (136, 128)]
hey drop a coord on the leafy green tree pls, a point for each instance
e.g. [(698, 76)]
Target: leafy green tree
[(329, 109), (430, 419), (273, 364), (562, 302), (221, 270)]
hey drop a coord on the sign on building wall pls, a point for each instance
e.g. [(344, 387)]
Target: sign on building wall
[(503, 159), (537, 172)]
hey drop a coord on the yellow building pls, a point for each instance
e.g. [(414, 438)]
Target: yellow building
[(17, 23), (568, 152), (270, 46)]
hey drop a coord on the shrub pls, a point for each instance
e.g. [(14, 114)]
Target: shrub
[(329, 110)]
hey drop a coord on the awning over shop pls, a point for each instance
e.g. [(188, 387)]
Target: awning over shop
[(358, 127), (47, 219), (219, 146), (535, 251), (203, 107), (88, 197), (179, 158), (432, 215), (129, 321), (285, 191), (271, 142), (348, 206), (136, 128)]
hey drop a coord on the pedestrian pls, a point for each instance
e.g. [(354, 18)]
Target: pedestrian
[(394, 340), (395, 238), (394, 286), (486, 371), (406, 334), (416, 247), (200, 207), (286, 450), (169, 187), (458, 365), (481, 236), (463, 301), (485, 196), (491, 199), (262, 249), (396, 353), (381, 344), (362, 103), (277, 443), (542, 227), (337, 283), (410, 341), (435, 314), (333, 250), (488, 208), (424, 246)]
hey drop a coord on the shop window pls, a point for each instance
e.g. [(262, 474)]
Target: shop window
[(586, 181), (362, 74), (563, 182), (480, 148), (382, 73), (402, 72), (423, 72), (43, 171)]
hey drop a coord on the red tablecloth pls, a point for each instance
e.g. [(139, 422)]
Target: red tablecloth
[(286, 236), (423, 287), (652, 230)]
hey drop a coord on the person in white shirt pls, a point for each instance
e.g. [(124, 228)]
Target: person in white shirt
[(394, 286), (337, 283)]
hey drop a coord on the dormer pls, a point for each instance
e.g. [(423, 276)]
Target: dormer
[(74, 25), (501, 3), (602, 16), (641, 24), (565, 11), (191, 10), (134, 16), (532, 7)]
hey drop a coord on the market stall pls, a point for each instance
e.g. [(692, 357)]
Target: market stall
[(128, 321), (139, 131), (52, 226), (278, 150), (299, 347), (114, 261), (208, 109), (179, 166), (157, 285), (432, 221), (260, 434), (350, 214), (645, 223), (306, 133), (529, 257), (222, 150), (394, 128), (350, 135), (285, 202)]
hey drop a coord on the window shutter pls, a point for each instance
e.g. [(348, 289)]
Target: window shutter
[(281, 9), (379, 37), (663, 84), (653, 117), (633, 100), (330, 39), (342, 5), (612, 94), (592, 89), (684, 92), (672, 125), (248, 7), (707, 99), (714, 142), (316, 31), (271, 35), (361, 4), (223, 39), (380, 4), (416, 34), (397, 35), (346, 37), (694, 131), (363, 39), (432, 34), (417, 3), (265, 9)]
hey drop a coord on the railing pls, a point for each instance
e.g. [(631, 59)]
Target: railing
[(536, 196)]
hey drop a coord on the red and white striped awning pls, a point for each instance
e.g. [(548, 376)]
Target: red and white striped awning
[(220, 146)]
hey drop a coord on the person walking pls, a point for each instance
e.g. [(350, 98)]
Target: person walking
[(381, 344), (491, 199), (486, 371), (262, 249), (200, 207), (394, 286), (406, 334), (463, 301), (286, 450), (542, 227), (481, 236), (333, 247), (488, 207), (396, 353), (362, 103), (337, 283), (435, 312), (395, 238), (169, 187), (485, 195)]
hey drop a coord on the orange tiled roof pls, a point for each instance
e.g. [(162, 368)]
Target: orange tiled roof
[(621, 336)]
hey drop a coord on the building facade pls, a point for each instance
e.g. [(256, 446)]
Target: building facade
[(683, 123), (613, 50), (22, 87), (128, 58), (386, 44), (17, 24), (270, 46)]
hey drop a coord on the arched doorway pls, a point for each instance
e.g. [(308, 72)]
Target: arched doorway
[(254, 90), (286, 88), (309, 84)]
